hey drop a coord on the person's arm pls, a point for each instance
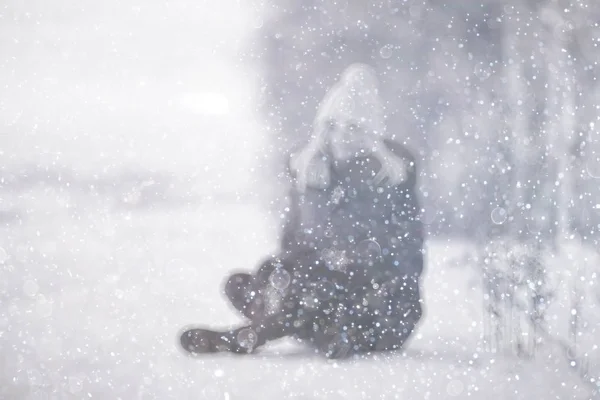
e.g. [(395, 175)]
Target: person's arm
[(291, 222), (405, 227), (406, 157), (407, 199), (290, 215)]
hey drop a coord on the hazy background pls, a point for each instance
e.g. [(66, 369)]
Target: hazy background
[(142, 149), (497, 97)]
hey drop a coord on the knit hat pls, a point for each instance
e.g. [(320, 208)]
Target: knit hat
[(355, 97)]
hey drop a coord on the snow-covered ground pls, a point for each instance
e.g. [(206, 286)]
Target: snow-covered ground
[(130, 165), (93, 297)]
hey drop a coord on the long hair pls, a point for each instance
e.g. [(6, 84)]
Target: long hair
[(355, 97)]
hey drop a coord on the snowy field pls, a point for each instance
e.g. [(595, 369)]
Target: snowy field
[(93, 297), (129, 187)]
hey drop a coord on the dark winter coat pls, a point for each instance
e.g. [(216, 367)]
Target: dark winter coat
[(354, 220), (347, 281)]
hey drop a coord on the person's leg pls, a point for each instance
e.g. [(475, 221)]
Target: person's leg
[(378, 316), (294, 314), (248, 293), (334, 333), (247, 338), (407, 314), (201, 341), (237, 290), (392, 315)]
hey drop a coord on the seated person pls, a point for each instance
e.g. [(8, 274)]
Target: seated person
[(347, 278)]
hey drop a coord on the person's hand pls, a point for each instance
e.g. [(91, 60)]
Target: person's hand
[(310, 170), (394, 170)]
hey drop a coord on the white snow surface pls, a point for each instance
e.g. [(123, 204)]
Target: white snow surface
[(130, 165)]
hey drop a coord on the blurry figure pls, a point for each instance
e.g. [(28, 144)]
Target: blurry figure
[(352, 246), (349, 125)]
